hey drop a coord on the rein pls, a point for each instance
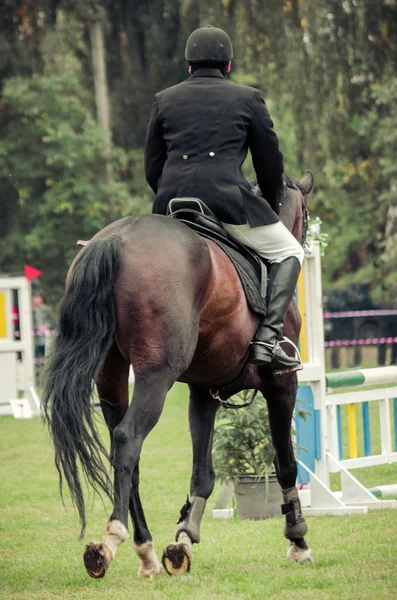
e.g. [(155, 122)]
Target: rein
[(296, 184), (305, 220)]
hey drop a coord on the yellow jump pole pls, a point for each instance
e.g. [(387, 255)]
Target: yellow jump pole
[(3, 318), (351, 418), (301, 305)]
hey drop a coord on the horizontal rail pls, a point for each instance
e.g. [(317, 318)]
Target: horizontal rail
[(369, 461), (361, 377), (384, 490), (361, 396)]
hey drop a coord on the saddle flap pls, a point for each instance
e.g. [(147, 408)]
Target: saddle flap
[(251, 269)]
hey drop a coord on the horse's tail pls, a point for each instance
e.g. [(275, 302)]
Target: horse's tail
[(86, 329)]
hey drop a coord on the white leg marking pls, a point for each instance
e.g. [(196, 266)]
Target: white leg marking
[(299, 555), (184, 539), (150, 564), (116, 534)]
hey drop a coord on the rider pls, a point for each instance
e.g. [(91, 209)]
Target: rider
[(197, 140)]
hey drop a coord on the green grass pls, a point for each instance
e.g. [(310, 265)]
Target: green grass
[(41, 556)]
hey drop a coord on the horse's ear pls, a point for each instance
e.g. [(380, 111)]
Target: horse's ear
[(307, 182)]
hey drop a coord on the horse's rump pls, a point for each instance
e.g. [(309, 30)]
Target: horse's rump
[(178, 297)]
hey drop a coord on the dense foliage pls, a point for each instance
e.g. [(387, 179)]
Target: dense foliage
[(327, 69)]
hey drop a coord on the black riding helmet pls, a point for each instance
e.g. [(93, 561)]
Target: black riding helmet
[(209, 45)]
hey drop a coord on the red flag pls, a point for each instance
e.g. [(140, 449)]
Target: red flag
[(31, 272)]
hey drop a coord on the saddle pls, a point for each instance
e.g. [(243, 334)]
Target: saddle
[(249, 266)]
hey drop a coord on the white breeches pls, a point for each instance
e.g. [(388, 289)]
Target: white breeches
[(273, 242)]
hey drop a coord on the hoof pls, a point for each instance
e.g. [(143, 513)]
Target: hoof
[(177, 558), (97, 558), (299, 555)]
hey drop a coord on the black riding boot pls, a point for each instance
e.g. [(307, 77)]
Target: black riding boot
[(265, 348)]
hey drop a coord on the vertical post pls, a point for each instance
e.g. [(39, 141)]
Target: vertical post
[(3, 315), (305, 429), (333, 414), (302, 312), (366, 429), (316, 356), (26, 327), (6, 328), (395, 423), (385, 429), (8, 367), (352, 428), (340, 431), (305, 432)]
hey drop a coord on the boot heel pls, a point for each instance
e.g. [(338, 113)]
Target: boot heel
[(259, 354)]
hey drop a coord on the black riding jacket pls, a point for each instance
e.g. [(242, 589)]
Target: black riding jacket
[(197, 140)]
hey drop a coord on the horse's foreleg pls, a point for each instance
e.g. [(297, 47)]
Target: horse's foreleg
[(280, 394), (177, 556)]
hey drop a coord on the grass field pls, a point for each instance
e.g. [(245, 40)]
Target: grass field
[(41, 557)]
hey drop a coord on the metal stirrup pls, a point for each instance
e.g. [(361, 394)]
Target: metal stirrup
[(277, 343), (288, 341)]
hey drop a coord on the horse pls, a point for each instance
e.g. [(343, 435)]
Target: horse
[(150, 292)]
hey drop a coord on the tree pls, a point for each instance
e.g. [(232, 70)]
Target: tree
[(326, 68), (53, 150)]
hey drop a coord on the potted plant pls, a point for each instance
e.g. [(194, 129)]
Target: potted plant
[(243, 452)]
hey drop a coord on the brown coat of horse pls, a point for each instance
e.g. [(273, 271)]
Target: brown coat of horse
[(150, 292)]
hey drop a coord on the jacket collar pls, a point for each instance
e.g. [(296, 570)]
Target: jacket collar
[(206, 72)]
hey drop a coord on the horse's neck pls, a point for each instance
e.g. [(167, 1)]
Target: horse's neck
[(291, 213)]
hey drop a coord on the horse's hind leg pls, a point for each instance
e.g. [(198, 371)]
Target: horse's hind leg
[(128, 436), (280, 394), (202, 410), (112, 385)]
